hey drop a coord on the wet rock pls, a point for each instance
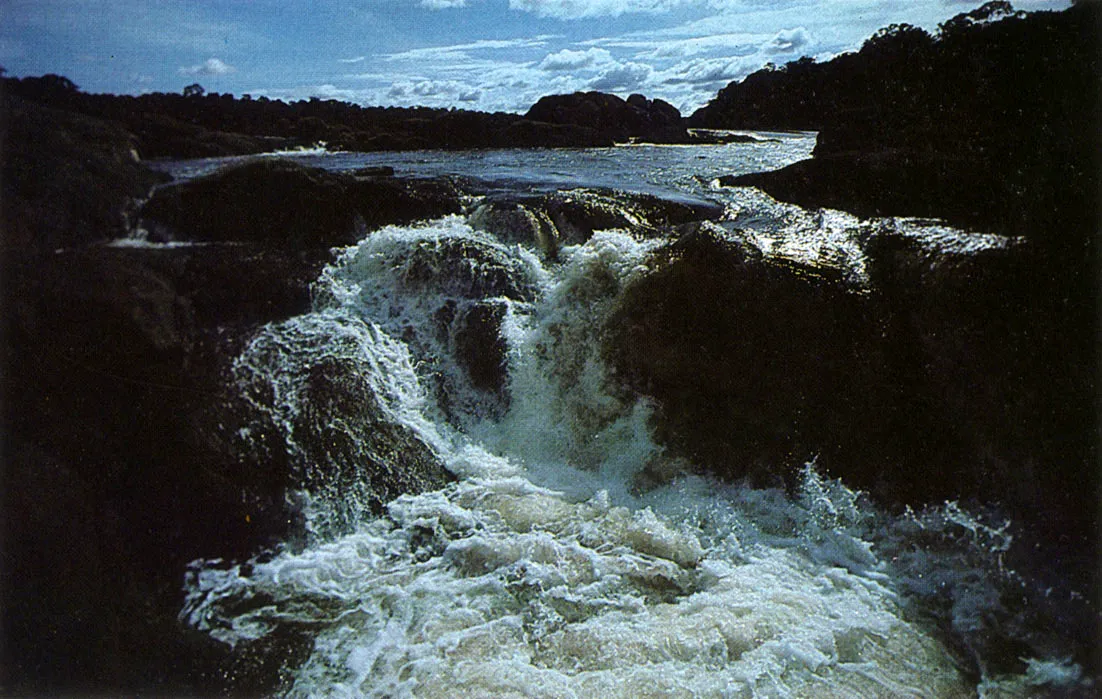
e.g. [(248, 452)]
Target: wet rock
[(467, 269), (281, 203), (377, 171), (67, 179), (272, 201), (125, 457), (512, 221), (888, 183), (312, 384), (956, 375), (754, 364), (387, 201), (163, 136), (570, 217), (527, 133), (479, 347)]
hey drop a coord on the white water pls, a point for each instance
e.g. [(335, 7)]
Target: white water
[(547, 570)]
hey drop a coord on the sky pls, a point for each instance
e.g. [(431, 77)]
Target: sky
[(489, 55)]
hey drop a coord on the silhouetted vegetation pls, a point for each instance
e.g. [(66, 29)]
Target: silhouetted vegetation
[(196, 123), (998, 108)]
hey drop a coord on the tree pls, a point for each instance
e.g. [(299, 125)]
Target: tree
[(988, 12), (194, 90), (898, 41)]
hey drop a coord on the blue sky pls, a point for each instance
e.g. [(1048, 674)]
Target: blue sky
[(476, 54)]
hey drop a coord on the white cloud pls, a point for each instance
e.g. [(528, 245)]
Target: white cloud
[(711, 70), (357, 59), (452, 50), (625, 76), (433, 92), (579, 9), (790, 40), (442, 4), (575, 60), (211, 66)]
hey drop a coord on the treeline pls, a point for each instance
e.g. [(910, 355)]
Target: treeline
[(988, 74), (991, 122), (198, 124)]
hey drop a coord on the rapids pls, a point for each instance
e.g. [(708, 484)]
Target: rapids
[(554, 567)]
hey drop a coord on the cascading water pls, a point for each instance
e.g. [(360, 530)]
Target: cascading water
[(549, 568)]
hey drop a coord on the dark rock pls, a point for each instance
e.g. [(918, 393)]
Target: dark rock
[(526, 133), (272, 201), (377, 171), (162, 136), (310, 382), (569, 217), (124, 458), (67, 179), (891, 183), (638, 118), (511, 221), (388, 201), (281, 203), (707, 136), (955, 376), (753, 364), (465, 269), (479, 347)]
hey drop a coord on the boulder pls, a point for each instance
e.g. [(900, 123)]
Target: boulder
[(464, 268), (68, 179), (282, 203), (890, 182), (399, 201), (753, 364), (480, 348), (955, 374)]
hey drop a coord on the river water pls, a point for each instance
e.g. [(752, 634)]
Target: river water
[(546, 570)]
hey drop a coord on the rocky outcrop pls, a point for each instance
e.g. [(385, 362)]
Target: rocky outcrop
[(141, 445), (281, 203), (754, 364), (67, 179), (569, 217), (637, 118), (955, 374), (135, 442)]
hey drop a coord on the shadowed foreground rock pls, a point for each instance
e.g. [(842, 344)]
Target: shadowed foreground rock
[(954, 376), (67, 179), (123, 418), (126, 454)]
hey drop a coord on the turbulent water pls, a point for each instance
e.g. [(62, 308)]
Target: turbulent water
[(551, 568)]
